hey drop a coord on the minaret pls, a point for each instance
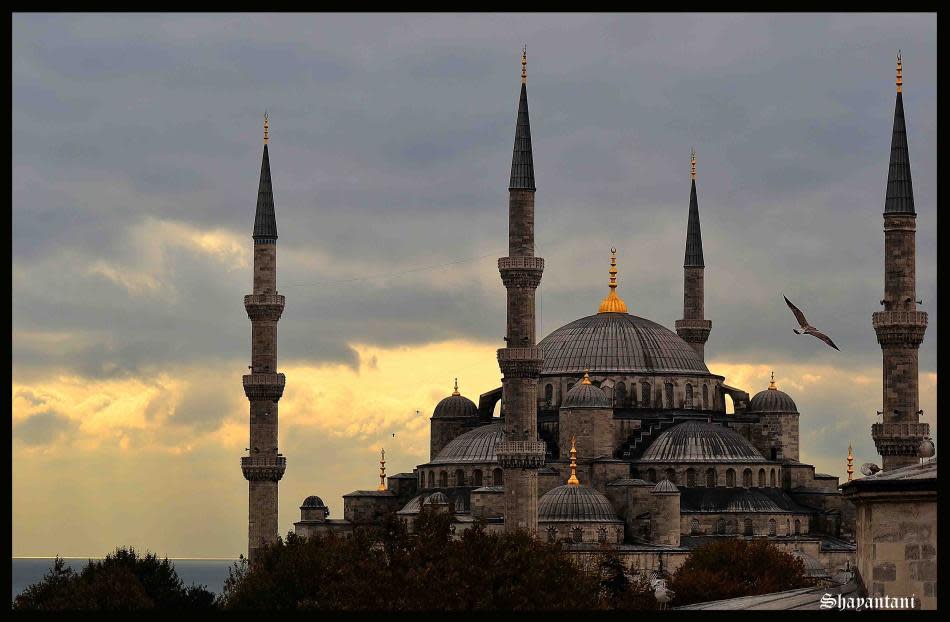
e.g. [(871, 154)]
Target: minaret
[(693, 328), (264, 467), (900, 327), (521, 454), (850, 463), (382, 471)]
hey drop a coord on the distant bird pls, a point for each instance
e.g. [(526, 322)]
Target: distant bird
[(869, 468), (394, 435), (808, 329)]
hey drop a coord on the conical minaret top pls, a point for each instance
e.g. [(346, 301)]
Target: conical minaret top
[(900, 191), (265, 220), (522, 160), (694, 238)]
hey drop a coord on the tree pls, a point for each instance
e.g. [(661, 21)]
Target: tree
[(731, 568), (121, 581)]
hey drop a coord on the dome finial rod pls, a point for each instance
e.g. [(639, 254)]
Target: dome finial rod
[(692, 163), (612, 303), (266, 125), (900, 78), (772, 383), (572, 480), (382, 471), (456, 391), (524, 64)]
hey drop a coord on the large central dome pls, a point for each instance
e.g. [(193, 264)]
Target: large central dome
[(617, 343)]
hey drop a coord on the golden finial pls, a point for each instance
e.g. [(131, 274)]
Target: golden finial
[(772, 386), (613, 303), (524, 65), (266, 119), (382, 471), (456, 391), (850, 462), (586, 379), (692, 164), (900, 79), (572, 480)]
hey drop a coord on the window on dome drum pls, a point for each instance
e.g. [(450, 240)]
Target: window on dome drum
[(577, 534), (548, 394), (798, 527), (651, 475), (694, 526), (772, 530), (443, 479), (710, 478), (721, 526), (690, 477), (747, 524), (761, 478), (459, 477), (705, 397), (498, 477), (552, 534), (477, 477), (645, 394), (772, 478), (620, 395), (671, 475), (602, 534), (689, 396), (730, 478), (747, 478), (669, 394), (431, 479)]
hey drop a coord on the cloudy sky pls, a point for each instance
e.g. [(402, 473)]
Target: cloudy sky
[(136, 156)]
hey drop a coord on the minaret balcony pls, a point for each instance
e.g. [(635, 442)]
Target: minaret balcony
[(520, 454), (902, 329), (264, 306), (521, 272), (264, 386), (520, 362), (693, 330), (263, 468), (899, 438)]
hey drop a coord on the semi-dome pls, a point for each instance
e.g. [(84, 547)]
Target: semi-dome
[(437, 498), (455, 405), (665, 486), (575, 504), (699, 441), (585, 395), (772, 400), (476, 445), (617, 343), (313, 501)]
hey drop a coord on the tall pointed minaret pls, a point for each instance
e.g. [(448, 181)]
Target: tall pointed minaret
[(900, 327), (263, 387), (693, 328), (521, 454)]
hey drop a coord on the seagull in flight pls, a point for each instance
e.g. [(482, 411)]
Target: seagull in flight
[(808, 329)]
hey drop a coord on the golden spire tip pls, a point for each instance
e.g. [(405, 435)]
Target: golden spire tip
[(850, 462), (772, 383), (613, 303), (382, 471), (456, 391), (586, 379), (572, 480), (524, 65), (900, 78), (692, 164), (266, 125)]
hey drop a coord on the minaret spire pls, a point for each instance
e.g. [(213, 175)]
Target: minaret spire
[(522, 159), (899, 198), (265, 219), (694, 328)]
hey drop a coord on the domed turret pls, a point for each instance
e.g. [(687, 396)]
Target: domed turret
[(314, 509), (449, 420), (585, 395), (779, 413), (455, 405), (772, 400)]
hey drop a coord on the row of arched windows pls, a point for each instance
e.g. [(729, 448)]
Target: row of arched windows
[(577, 534), (459, 478), (711, 479), (728, 527), (623, 399)]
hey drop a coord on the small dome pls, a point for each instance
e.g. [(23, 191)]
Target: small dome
[(313, 501), (699, 441), (813, 567), (666, 486), (436, 498), (772, 400), (575, 504), (585, 395), (476, 445), (455, 406)]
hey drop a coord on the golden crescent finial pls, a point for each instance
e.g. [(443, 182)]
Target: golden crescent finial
[(382, 471), (900, 78), (572, 480), (266, 125), (456, 391), (524, 65), (692, 164), (612, 303), (772, 383), (850, 462)]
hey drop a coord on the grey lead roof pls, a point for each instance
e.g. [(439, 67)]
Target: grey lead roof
[(265, 221), (900, 191), (455, 406), (476, 445), (698, 441), (586, 396), (694, 238), (617, 343), (772, 401), (739, 500), (522, 160), (575, 504)]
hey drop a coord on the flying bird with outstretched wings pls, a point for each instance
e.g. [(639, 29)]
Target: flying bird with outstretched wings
[(808, 329)]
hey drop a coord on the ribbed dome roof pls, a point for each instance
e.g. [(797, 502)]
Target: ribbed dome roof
[(698, 441), (585, 395), (772, 400), (575, 504), (617, 343), (313, 501), (455, 406), (813, 567), (437, 498), (476, 445), (739, 500), (665, 486)]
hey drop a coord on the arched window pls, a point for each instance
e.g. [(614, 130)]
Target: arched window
[(772, 530), (602, 534), (798, 527), (645, 394), (705, 397), (549, 394), (730, 478), (459, 477), (694, 526), (732, 526), (620, 395), (691, 477), (422, 480), (651, 475), (552, 534), (577, 534), (710, 478), (747, 478), (747, 524), (669, 394), (761, 478), (477, 477), (772, 478), (788, 527), (671, 475), (431, 479), (721, 526), (689, 395), (443, 479), (498, 477)]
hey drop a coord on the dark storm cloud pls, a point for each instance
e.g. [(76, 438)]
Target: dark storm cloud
[(390, 151), (43, 428)]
